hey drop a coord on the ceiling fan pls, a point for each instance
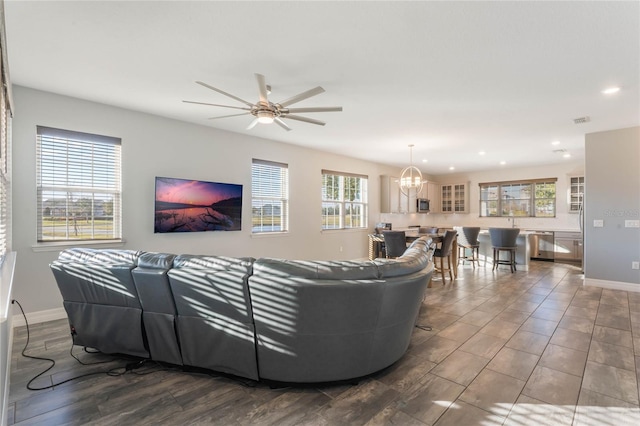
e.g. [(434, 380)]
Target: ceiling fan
[(268, 112)]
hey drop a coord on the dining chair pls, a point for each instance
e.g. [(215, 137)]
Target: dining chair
[(445, 251), (395, 243), (468, 240), (504, 239)]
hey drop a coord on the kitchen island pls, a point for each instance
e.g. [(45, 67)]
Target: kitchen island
[(522, 250)]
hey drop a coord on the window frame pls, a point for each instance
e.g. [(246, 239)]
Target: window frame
[(359, 201), (495, 196), (91, 172), (263, 194), (6, 112)]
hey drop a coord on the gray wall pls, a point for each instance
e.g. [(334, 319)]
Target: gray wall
[(612, 194), (155, 146)]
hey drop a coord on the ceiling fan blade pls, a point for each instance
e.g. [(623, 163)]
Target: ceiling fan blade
[(224, 93), (305, 119), (302, 96), (252, 124), (217, 105), (315, 109), (226, 116), (262, 88), (282, 124)]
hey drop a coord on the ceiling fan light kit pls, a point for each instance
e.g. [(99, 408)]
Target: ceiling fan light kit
[(265, 117), (266, 112)]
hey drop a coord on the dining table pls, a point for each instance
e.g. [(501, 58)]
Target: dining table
[(376, 242)]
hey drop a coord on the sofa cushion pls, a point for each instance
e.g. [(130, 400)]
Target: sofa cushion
[(102, 256), (219, 263), (156, 260), (316, 269)]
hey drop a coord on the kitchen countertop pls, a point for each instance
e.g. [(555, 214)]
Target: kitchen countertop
[(522, 230), (554, 230)]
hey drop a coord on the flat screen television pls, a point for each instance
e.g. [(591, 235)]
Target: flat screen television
[(184, 205)]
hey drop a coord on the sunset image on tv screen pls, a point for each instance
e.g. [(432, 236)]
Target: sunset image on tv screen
[(184, 205)]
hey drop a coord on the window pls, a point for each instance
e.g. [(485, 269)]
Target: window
[(78, 185), (531, 198), (344, 200), (576, 193), (269, 197), (5, 151)]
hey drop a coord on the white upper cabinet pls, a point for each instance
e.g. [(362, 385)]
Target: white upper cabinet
[(392, 200), (389, 194), (454, 197), (433, 195), (576, 193)]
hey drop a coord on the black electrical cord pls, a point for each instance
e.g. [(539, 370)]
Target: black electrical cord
[(92, 352), (111, 372), (130, 367)]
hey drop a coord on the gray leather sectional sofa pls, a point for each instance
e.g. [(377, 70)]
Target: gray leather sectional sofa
[(273, 319)]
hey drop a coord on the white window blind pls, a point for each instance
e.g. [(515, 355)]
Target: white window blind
[(78, 186), (344, 200), (5, 184), (269, 196)]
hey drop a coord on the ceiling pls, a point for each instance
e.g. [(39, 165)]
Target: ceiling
[(452, 78)]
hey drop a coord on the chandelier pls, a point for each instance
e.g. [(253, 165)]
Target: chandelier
[(410, 177)]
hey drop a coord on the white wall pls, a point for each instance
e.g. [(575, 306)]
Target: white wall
[(563, 220), (612, 195), (154, 146)]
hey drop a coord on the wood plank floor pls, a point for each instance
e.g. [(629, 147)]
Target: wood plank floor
[(529, 348)]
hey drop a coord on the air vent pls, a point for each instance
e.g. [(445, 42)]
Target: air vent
[(581, 120)]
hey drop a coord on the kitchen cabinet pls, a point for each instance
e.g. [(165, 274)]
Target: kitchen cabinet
[(568, 246), (389, 194), (412, 206), (454, 197), (432, 193), (576, 193), (392, 200)]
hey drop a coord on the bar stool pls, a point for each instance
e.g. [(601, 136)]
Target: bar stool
[(504, 239), (445, 251), (468, 240)]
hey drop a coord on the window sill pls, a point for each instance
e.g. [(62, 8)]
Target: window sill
[(342, 230), (61, 245), (269, 234)]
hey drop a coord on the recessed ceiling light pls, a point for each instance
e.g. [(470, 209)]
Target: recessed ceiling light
[(481, 153), (555, 143), (611, 90), (502, 163), (452, 168), (566, 155), (424, 160)]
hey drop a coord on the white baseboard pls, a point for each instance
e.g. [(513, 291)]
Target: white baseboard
[(612, 285), (40, 316)]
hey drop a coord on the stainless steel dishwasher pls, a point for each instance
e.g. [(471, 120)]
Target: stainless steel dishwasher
[(541, 245)]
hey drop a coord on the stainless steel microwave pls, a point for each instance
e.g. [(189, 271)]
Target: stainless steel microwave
[(423, 205)]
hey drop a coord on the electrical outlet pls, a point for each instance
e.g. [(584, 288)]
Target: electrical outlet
[(340, 249), (635, 265)]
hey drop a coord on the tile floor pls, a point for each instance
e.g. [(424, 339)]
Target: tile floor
[(533, 348), (529, 348)]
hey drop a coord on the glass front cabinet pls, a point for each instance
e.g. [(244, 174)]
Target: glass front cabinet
[(454, 197), (576, 192)]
